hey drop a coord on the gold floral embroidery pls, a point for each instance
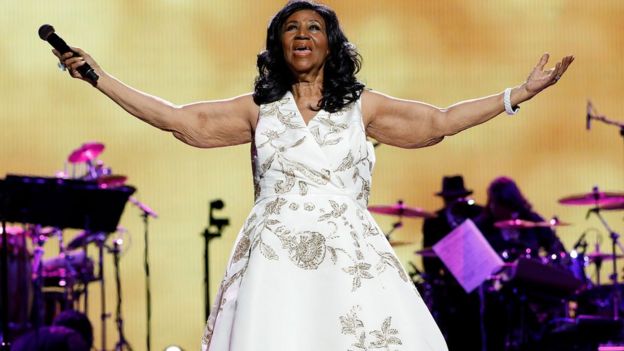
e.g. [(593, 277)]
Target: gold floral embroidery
[(285, 185), (306, 249), (274, 207), (303, 188), (271, 108), (384, 337), (242, 249), (287, 120), (369, 229), (346, 163), (359, 271), (388, 259), (336, 211)]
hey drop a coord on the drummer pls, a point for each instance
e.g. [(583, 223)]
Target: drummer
[(507, 318), (505, 201)]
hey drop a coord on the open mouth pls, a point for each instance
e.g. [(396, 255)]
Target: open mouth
[(302, 49)]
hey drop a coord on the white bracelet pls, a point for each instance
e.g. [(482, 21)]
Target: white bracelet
[(507, 102)]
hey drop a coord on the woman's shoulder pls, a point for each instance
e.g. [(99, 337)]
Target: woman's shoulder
[(371, 100), (244, 105)]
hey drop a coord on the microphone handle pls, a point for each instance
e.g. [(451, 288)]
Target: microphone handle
[(61, 46)]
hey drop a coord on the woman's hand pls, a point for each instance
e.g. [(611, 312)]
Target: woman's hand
[(71, 62), (540, 79)]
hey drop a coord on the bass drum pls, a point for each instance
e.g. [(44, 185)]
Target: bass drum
[(19, 278)]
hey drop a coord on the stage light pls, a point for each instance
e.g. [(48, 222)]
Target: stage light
[(173, 348)]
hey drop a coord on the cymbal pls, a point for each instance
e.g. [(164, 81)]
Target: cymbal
[(525, 224), (84, 238), (399, 209), (395, 243), (87, 152), (111, 181), (426, 252), (603, 256), (613, 206), (595, 198)]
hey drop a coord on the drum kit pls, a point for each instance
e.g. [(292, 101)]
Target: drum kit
[(399, 210), (583, 298), (36, 289)]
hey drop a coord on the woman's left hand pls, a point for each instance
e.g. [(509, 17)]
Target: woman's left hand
[(540, 79)]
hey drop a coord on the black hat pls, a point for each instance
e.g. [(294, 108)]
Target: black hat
[(453, 186)]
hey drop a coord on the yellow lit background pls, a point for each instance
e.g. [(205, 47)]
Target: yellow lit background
[(435, 51)]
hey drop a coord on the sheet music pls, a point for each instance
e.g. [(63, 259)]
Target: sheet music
[(468, 256)]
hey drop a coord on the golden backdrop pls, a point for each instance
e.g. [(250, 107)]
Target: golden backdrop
[(439, 52)]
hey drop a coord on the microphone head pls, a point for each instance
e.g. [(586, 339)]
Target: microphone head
[(217, 204), (45, 31), (588, 117)]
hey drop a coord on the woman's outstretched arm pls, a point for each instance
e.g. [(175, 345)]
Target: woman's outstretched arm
[(202, 124), (413, 124)]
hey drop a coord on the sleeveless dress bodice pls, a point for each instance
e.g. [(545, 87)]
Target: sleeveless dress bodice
[(329, 156)]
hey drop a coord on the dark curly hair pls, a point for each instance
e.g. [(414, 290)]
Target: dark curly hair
[(504, 192), (340, 87)]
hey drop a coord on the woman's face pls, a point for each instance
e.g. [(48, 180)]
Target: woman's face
[(304, 42)]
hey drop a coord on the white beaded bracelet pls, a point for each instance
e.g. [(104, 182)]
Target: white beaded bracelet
[(507, 102)]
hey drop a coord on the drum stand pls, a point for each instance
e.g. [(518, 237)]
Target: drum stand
[(122, 343), (5, 345), (37, 267), (615, 296), (99, 241)]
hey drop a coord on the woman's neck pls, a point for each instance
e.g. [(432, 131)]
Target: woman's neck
[(308, 88)]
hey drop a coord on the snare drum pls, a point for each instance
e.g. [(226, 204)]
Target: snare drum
[(19, 278)]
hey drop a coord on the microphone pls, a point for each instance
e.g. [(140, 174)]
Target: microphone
[(217, 222), (46, 32), (588, 118), (580, 241)]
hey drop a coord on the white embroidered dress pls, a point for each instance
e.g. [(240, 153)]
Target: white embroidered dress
[(311, 270)]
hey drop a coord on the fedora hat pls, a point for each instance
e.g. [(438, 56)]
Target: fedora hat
[(453, 186)]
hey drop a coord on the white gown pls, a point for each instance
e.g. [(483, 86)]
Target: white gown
[(311, 270)]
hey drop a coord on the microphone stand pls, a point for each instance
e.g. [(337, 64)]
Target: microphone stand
[(217, 224), (604, 119), (146, 212)]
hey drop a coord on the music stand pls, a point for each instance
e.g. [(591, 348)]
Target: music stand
[(60, 203)]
